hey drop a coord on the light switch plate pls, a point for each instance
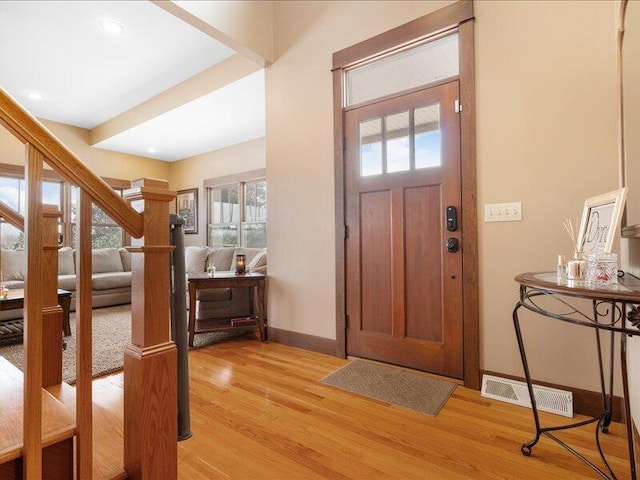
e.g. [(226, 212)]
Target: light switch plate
[(503, 212)]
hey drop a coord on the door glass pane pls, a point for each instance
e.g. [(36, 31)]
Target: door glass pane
[(398, 147), (420, 65), (427, 136), (371, 147)]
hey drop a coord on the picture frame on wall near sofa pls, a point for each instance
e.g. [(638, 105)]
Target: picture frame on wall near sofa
[(187, 208)]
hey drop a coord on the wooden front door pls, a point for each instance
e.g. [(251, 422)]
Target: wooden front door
[(404, 286)]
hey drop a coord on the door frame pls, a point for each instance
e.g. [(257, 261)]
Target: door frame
[(457, 15)]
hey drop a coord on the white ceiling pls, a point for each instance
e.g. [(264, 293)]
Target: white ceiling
[(87, 76), (224, 117)]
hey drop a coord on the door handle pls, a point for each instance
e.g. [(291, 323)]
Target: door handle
[(451, 215), (452, 245)]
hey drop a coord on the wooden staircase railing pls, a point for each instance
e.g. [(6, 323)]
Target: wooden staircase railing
[(12, 217), (150, 375)]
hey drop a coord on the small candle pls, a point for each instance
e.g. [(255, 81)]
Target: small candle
[(241, 262)]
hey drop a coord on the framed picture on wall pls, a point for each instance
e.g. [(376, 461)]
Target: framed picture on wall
[(187, 208), (600, 221)]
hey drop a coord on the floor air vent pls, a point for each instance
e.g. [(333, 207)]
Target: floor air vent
[(511, 391)]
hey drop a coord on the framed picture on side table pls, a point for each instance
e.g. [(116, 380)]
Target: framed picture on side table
[(600, 222), (187, 208)]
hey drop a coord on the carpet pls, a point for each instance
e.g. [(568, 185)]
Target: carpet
[(111, 332), (392, 385)]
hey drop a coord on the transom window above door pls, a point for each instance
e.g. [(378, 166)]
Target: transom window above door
[(414, 66), (401, 141)]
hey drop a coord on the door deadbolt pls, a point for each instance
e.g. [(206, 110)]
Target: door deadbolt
[(452, 245)]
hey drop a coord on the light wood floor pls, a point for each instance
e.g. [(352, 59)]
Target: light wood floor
[(258, 412)]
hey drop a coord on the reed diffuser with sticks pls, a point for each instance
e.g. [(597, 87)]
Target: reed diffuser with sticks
[(576, 266)]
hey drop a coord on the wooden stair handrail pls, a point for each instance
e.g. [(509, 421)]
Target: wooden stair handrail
[(10, 216), (30, 131), (150, 360)]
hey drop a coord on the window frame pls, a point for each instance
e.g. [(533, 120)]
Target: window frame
[(210, 212), (125, 238), (18, 171), (241, 180)]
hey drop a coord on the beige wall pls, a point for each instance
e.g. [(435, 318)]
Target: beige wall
[(546, 126), (11, 150), (547, 134), (191, 172)]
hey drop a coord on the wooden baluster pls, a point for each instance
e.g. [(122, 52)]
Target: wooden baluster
[(51, 311), (150, 361), (32, 434), (84, 315)]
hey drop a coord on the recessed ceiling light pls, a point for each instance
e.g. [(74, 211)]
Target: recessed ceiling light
[(111, 26), (151, 149), (34, 95)]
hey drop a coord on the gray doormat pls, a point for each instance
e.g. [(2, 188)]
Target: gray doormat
[(392, 385)]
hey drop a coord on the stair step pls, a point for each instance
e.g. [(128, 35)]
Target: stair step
[(108, 436), (58, 424)]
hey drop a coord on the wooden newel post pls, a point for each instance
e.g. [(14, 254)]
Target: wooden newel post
[(150, 361)]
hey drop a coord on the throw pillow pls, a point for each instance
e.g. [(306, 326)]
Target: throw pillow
[(13, 264), (66, 265), (125, 256), (195, 259), (106, 260), (221, 257), (260, 260)]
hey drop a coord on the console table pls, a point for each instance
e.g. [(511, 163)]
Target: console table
[(612, 309), (199, 281)]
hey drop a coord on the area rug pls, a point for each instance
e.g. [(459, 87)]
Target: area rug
[(111, 333), (392, 385)]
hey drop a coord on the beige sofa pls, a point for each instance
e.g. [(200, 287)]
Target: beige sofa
[(223, 302), (110, 280), (111, 277)]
